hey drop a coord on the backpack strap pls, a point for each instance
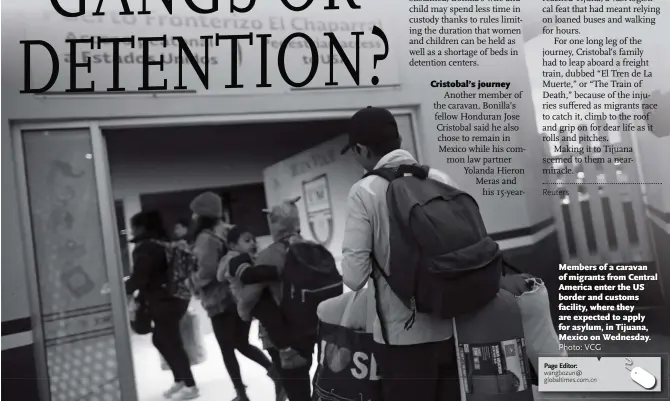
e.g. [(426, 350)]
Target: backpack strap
[(382, 323), (389, 174), (418, 171), (513, 268), (375, 280), (223, 249), (392, 173)]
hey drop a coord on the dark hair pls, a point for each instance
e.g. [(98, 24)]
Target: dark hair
[(235, 233), (151, 222), (383, 148), (200, 224), (184, 222)]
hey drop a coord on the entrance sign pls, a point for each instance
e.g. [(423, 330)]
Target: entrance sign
[(319, 208), (323, 178)]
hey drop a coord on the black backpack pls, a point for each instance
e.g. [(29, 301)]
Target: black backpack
[(310, 277), (442, 261)]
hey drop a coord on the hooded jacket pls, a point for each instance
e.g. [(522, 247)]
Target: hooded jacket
[(150, 268), (248, 280), (215, 296), (284, 221), (245, 296), (367, 231), (150, 276)]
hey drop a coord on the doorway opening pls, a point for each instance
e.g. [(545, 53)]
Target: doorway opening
[(80, 182), (163, 169)]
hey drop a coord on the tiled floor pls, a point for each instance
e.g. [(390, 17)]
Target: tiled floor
[(211, 375)]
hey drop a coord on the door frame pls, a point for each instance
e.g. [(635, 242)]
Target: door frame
[(106, 212), (111, 254), (229, 119)]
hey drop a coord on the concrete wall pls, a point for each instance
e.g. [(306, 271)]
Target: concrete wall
[(13, 260), (17, 353)]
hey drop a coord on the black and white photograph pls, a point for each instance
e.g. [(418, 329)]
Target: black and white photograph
[(335, 200)]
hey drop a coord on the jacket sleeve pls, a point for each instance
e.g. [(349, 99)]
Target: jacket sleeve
[(145, 262), (274, 255), (357, 243), (243, 268), (207, 250), (221, 270), (236, 263)]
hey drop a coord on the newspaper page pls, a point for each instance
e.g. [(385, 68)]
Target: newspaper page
[(493, 175)]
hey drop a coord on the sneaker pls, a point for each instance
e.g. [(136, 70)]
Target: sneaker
[(187, 393), (280, 393), (291, 359), (173, 390)]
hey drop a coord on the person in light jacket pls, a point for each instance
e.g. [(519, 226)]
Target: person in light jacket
[(284, 221), (419, 363), (232, 333)]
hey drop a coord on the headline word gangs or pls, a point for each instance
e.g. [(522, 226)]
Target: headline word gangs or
[(213, 7), (201, 65)]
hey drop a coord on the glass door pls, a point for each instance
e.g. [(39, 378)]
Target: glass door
[(72, 236)]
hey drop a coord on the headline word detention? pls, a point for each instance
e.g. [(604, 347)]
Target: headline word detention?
[(186, 55)]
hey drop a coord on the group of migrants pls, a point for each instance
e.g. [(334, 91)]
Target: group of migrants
[(234, 283), (410, 233)]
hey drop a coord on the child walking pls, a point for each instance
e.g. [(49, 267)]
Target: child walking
[(254, 299)]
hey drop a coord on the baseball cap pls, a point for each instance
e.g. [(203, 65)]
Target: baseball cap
[(370, 126)]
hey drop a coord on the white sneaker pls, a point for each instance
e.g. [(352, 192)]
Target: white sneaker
[(173, 390), (187, 393)]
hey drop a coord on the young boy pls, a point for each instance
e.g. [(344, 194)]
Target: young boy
[(248, 283)]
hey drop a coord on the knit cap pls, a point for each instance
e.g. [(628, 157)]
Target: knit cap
[(207, 204), (284, 219)]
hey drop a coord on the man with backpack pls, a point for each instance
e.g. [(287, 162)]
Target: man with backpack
[(416, 350), (299, 275)]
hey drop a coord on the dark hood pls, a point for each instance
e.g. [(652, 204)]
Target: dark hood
[(147, 237)]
